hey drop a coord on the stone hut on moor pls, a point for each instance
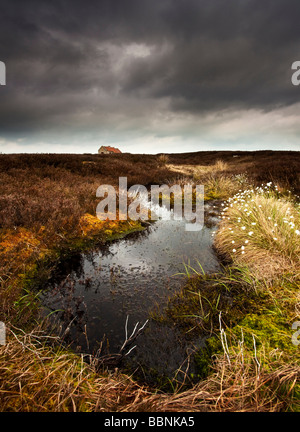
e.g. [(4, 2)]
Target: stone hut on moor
[(108, 150)]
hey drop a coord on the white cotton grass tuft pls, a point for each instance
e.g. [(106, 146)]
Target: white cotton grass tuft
[(269, 226)]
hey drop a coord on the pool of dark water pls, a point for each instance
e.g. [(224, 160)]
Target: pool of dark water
[(94, 293)]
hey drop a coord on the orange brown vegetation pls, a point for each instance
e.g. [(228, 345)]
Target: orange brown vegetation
[(48, 206)]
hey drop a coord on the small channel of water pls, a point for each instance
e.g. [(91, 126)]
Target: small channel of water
[(93, 293)]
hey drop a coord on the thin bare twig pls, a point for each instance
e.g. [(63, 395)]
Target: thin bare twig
[(115, 359)]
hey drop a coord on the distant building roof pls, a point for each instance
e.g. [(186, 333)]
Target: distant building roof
[(110, 149), (113, 149)]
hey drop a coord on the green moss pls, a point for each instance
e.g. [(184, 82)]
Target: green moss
[(203, 357), (270, 330)]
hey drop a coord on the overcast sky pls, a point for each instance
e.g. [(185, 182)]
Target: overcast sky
[(149, 76)]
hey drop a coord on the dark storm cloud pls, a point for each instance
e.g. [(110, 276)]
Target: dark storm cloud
[(224, 54), (75, 63)]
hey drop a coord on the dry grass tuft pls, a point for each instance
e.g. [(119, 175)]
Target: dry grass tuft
[(163, 159), (261, 230), (200, 172), (35, 376), (39, 377)]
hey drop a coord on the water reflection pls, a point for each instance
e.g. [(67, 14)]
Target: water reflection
[(94, 292)]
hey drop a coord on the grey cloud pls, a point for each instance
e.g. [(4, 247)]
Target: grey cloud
[(62, 59)]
